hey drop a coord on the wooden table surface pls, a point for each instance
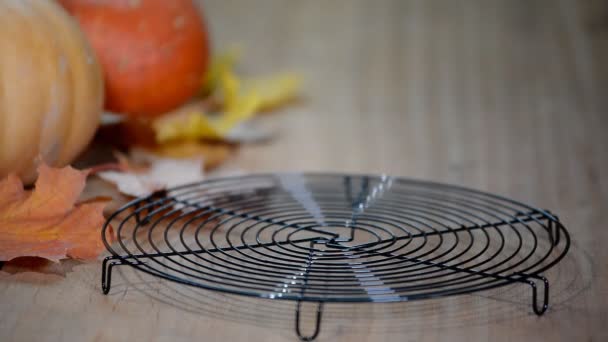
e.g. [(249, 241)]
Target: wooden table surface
[(505, 96)]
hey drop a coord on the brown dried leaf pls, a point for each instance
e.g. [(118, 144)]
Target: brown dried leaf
[(39, 265)]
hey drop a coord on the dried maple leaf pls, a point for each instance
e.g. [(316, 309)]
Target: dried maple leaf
[(46, 222)]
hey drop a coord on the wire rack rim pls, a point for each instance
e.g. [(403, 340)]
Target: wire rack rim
[(409, 180)]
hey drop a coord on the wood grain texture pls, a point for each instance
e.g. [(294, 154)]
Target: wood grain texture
[(506, 96)]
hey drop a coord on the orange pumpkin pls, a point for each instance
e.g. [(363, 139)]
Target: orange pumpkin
[(51, 87), (154, 53)]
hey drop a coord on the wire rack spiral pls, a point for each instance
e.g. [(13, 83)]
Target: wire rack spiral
[(336, 238)]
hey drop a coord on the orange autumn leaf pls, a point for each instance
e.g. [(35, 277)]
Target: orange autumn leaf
[(46, 222)]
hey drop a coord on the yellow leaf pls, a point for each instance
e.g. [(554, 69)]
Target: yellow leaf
[(220, 64), (230, 87), (241, 109), (273, 91), (244, 98), (188, 122), (240, 100), (194, 124)]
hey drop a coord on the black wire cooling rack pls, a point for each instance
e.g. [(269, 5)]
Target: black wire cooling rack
[(336, 238)]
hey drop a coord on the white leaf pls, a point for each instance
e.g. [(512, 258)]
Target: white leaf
[(162, 173)]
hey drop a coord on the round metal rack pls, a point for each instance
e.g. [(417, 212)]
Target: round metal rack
[(336, 238)]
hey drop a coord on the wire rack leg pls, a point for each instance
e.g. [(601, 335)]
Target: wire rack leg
[(317, 322), (539, 310), (106, 273)]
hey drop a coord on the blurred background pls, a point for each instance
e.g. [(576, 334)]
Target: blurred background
[(508, 96)]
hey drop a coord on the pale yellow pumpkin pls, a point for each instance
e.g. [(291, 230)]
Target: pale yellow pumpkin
[(51, 87)]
